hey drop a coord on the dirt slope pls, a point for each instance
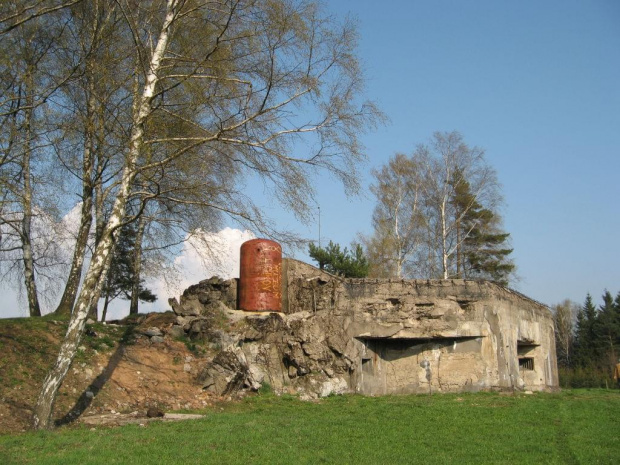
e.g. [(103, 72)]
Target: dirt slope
[(117, 370)]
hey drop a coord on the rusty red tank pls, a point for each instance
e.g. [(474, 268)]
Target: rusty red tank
[(260, 277)]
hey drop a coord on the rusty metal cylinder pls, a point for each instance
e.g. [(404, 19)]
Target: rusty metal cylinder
[(260, 277)]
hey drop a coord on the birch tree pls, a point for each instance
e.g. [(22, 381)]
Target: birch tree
[(564, 319), (448, 162), (397, 218), (90, 104), (27, 81), (279, 88), (91, 288), (436, 212), (17, 13)]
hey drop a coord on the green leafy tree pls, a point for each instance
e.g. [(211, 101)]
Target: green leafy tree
[(227, 85), (398, 223), (348, 263), (437, 215)]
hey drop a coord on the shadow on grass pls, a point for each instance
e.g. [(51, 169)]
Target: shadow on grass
[(89, 394)]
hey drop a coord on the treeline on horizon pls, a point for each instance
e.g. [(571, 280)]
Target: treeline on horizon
[(588, 342)]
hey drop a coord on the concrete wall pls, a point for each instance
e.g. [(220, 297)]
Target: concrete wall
[(444, 335)]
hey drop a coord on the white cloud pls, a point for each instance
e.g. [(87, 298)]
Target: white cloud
[(53, 243), (196, 262), (203, 255)]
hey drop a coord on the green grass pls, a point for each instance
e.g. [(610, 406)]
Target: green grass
[(574, 427)]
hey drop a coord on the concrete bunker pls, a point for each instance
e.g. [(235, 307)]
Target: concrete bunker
[(373, 336), (465, 335)]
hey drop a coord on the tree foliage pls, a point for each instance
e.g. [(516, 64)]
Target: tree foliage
[(348, 263), (595, 347), (585, 335), (480, 243), (122, 280), (398, 218), (27, 80), (164, 108), (437, 215), (564, 319)]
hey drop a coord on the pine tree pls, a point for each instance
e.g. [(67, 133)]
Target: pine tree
[(585, 337), (481, 245), (348, 263), (607, 331), (121, 276)]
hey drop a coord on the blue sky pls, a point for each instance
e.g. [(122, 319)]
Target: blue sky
[(537, 85)]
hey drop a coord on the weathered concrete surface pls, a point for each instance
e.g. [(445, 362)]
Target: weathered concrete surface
[(380, 337), (471, 333)]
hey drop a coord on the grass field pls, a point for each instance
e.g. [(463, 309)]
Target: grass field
[(580, 426)]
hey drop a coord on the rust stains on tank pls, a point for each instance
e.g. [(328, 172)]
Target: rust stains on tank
[(260, 277)]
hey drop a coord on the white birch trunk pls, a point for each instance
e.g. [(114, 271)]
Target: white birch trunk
[(103, 277), (42, 417), (399, 258), (444, 245)]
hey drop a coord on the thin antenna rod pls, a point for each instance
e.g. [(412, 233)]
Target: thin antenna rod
[(319, 226)]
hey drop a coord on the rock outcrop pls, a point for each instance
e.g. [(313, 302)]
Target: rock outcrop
[(292, 353)]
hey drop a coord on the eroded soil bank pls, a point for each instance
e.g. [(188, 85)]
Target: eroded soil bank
[(119, 370)]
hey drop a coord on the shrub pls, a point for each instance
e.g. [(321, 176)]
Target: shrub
[(585, 377)]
